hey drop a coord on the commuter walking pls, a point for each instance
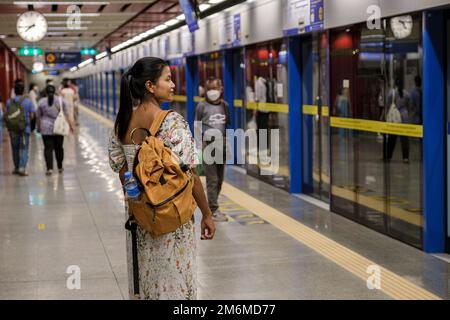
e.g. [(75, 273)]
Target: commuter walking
[(76, 100), (48, 110), (33, 95), (17, 117), (166, 267), (68, 95), (214, 116)]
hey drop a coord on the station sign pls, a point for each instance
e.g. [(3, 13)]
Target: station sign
[(62, 58)]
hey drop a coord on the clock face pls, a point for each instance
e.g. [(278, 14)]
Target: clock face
[(32, 26), (402, 26)]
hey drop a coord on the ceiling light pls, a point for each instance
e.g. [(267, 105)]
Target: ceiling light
[(160, 27), (62, 3), (65, 29), (38, 66), (215, 1), (3, 36), (181, 17), (64, 22), (70, 15), (149, 32), (85, 63), (204, 6), (172, 22), (100, 55)]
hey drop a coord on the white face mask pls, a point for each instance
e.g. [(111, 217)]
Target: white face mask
[(213, 95)]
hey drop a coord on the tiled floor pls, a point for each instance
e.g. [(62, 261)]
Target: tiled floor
[(48, 224)]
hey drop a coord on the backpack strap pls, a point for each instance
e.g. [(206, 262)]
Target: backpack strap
[(159, 118)]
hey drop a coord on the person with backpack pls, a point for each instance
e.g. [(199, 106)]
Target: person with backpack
[(399, 103), (157, 148), (214, 117), (17, 118), (48, 110)]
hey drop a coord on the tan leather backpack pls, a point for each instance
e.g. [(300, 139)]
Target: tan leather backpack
[(166, 184)]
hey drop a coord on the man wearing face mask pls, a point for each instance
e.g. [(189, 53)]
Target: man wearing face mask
[(213, 114)]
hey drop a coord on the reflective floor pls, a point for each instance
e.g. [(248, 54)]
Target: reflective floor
[(48, 224)]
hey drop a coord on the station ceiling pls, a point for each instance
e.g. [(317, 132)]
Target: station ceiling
[(106, 23)]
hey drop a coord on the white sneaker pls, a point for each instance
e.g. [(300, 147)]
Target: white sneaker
[(218, 216)]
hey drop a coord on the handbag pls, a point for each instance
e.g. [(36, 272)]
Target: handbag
[(393, 114), (61, 126)]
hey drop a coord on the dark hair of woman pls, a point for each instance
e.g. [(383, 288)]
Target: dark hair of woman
[(31, 86), (132, 86), (50, 91)]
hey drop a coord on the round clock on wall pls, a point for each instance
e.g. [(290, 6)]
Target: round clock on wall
[(402, 26), (32, 26)]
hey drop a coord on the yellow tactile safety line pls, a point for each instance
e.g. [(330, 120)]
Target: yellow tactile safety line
[(391, 283)]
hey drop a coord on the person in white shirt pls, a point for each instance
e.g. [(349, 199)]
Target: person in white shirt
[(68, 94)]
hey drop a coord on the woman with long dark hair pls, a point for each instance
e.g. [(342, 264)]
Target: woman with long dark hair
[(48, 110), (167, 267)]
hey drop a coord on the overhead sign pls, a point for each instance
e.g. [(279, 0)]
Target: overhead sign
[(302, 16), (64, 58), (30, 52), (189, 15), (88, 51)]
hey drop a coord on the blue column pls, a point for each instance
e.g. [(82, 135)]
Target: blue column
[(114, 99), (101, 90), (192, 82), (295, 115), (228, 83), (107, 91), (433, 132)]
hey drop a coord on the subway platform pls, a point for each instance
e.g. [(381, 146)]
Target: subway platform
[(274, 246)]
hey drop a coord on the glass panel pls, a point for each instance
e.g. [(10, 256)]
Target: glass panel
[(119, 74), (369, 184), (110, 82), (238, 94), (266, 108), (179, 78), (377, 178), (448, 133), (404, 154), (210, 65), (343, 196), (324, 106), (316, 170)]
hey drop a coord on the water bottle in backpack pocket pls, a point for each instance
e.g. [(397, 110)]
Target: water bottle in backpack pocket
[(131, 187)]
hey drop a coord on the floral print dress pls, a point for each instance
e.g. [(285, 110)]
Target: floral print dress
[(167, 266)]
